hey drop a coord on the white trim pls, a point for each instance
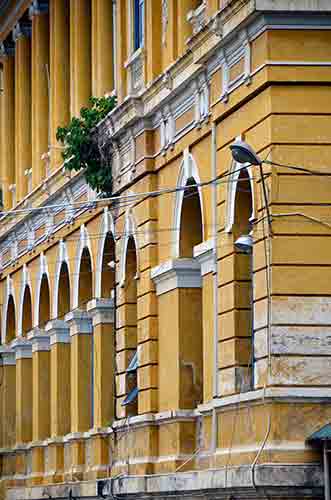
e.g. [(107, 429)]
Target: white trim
[(180, 273), (43, 269), (102, 311), (232, 191), (80, 322), (22, 348), (62, 257), (84, 242), (40, 341), (204, 254), (107, 226), (9, 292), (58, 332), (188, 170), (130, 230)]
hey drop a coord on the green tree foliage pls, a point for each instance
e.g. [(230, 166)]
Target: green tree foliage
[(81, 149)]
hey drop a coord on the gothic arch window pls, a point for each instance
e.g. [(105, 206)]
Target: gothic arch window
[(44, 301), (85, 284), (108, 266), (26, 311), (63, 291), (11, 320), (190, 221)]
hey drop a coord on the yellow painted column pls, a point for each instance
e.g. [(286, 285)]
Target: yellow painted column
[(8, 398), (169, 34), (24, 383), (40, 399), (212, 7), (59, 74), (58, 332), (184, 30), (102, 313), (80, 54), (23, 160), (7, 128), (121, 48), (102, 47), (40, 92), (80, 325), (153, 36)]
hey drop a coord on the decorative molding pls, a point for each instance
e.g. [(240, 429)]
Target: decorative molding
[(80, 322), (130, 230), (205, 255), (165, 19), (58, 332), (40, 341), (102, 311), (7, 356), (180, 273)]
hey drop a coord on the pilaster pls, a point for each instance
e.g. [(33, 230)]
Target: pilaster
[(178, 287), (153, 35), (59, 336), (24, 384), (8, 390), (23, 158), (80, 324), (40, 91), (184, 29), (169, 33), (7, 128), (102, 313), (59, 73), (80, 54), (121, 48), (102, 47)]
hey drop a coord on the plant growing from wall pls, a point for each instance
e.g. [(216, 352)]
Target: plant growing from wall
[(81, 148)]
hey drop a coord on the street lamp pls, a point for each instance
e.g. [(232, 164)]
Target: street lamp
[(244, 243), (244, 153)]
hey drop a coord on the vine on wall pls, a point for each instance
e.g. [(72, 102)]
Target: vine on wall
[(81, 149)]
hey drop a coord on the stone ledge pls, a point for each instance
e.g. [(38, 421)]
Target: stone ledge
[(281, 481)]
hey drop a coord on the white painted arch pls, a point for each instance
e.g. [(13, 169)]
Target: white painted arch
[(62, 257), (188, 170), (25, 281), (235, 171), (9, 292), (106, 226), (130, 231), (43, 269), (84, 242)]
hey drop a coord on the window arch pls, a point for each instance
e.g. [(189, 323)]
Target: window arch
[(190, 221), (26, 311), (108, 266), (85, 283), (63, 299), (44, 301), (10, 319)]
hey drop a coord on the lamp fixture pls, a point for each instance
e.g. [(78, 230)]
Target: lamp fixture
[(244, 243), (244, 153)]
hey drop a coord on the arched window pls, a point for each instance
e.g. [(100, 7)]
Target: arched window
[(44, 301), (108, 267), (27, 311), (11, 320), (191, 221), (63, 291), (130, 291), (244, 278), (85, 287)]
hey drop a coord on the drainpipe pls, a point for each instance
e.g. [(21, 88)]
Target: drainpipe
[(327, 494), (215, 284)]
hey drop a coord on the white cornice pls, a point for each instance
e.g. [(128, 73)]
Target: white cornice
[(180, 273)]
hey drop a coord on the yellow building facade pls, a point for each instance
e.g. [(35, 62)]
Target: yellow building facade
[(143, 354)]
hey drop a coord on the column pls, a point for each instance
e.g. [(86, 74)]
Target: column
[(153, 36), (81, 330), (169, 34), (7, 128), (59, 74), (184, 30), (102, 313), (80, 54), (40, 399), (121, 48), (178, 287), (8, 398), (212, 7), (40, 91), (23, 352), (58, 332), (23, 160), (8, 392), (102, 47)]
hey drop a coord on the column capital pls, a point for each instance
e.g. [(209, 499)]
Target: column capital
[(7, 356), (22, 347), (37, 7), (80, 322), (58, 332), (40, 341), (21, 30), (204, 254), (179, 273), (101, 310)]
